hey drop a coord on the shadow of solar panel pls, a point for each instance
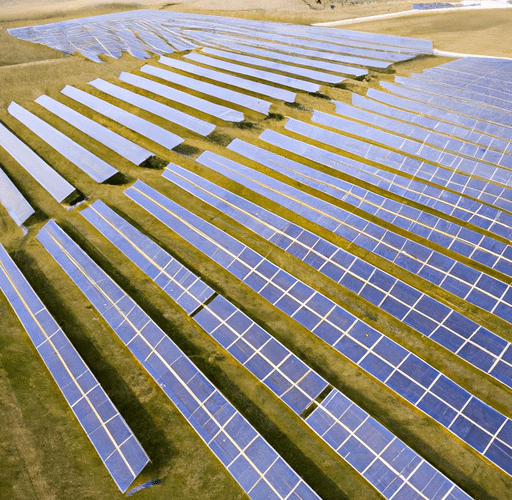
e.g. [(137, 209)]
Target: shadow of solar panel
[(183, 383), (114, 441), (411, 368)]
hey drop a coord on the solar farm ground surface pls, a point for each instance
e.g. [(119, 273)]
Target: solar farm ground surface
[(44, 451)]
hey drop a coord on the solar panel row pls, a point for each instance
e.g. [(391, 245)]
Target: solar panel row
[(226, 79), (472, 124), (210, 108), (122, 146), (44, 174), (118, 448), (476, 423), (145, 128), (259, 470), (185, 120), (227, 95), (467, 339), (13, 201), (285, 374), (93, 166)]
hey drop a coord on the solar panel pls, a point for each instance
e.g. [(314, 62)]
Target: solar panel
[(242, 450), (243, 83), (285, 374), (93, 166), (104, 135), (145, 128), (115, 443), (13, 201), (227, 95), (400, 370), (45, 175), (210, 108), (173, 115)]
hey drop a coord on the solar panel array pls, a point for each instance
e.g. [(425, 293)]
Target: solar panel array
[(398, 204), (345, 426), (143, 32), (259, 470), (476, 423), (115, 443)]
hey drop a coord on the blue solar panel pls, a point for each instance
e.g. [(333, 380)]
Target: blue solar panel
[(196, 398), (114, 441)]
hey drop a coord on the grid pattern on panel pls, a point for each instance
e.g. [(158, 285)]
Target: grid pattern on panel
[(114, 441), (259, 470), (453, 162), (147, 129), (93, 166), (453, 276), (478, 288), (482, 190), (462, 336), (288, 377), (477, 424)]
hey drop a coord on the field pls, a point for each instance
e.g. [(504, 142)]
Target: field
[(43, 450)]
